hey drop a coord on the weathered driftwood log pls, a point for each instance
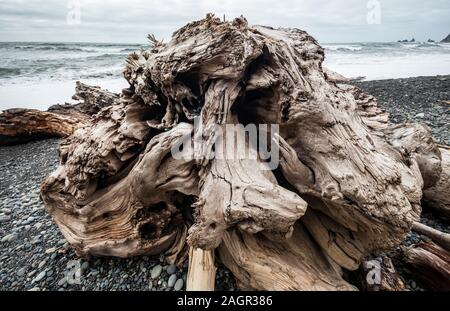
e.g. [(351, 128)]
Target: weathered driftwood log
[(23, 125), (430, 263), (347, 183)]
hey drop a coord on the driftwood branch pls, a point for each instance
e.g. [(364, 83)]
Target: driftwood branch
[(437, 236)]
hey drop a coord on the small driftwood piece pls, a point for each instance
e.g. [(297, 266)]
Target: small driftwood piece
[(379, 275)]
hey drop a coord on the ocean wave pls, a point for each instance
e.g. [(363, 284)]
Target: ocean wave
[(410, 45), (343, 47), (387, 48), (53, 48), (9, 72), (433, 45), (103, 74), (107, 56), (129, 50), (33, 61)]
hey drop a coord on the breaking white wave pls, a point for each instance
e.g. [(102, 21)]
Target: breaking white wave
[(388, 60), (41, 74)]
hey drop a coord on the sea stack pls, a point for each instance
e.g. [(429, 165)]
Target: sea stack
[(446, 39)]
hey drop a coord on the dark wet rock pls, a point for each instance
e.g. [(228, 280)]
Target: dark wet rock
[(446, 39)]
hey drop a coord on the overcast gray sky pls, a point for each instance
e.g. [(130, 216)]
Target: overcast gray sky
[(129, 21)]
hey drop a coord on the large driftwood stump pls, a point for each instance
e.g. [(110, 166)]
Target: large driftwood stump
[(348, 183)]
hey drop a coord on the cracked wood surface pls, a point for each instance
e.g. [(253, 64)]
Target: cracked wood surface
[(348, 183)]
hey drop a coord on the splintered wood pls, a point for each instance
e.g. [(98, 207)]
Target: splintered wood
[(347, 184)]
